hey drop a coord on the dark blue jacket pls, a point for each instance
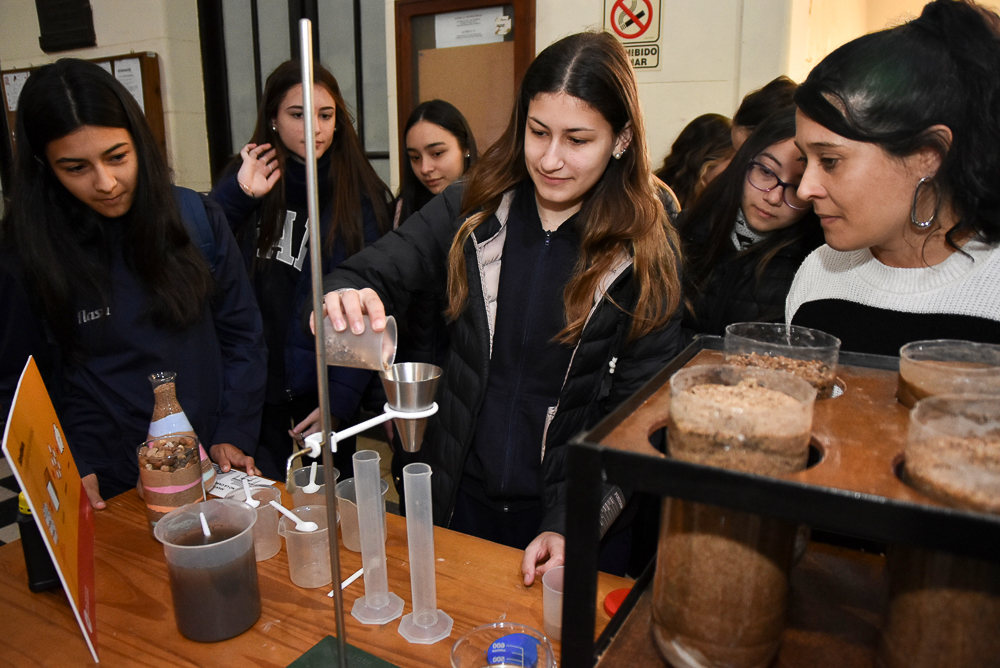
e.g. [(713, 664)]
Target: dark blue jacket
[(346, 385), (105, 400)]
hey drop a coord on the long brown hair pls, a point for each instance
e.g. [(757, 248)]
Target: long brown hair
[(351, 175), (621, 214)]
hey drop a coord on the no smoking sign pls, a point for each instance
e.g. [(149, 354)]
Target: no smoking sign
[(636, 24)]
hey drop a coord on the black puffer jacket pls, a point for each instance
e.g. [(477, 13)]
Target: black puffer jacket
[(733, 292), (604, 371)]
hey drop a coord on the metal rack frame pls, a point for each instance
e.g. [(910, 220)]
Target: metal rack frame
[(589, 463)]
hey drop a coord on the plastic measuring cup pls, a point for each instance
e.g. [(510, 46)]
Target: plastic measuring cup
[(299, 478), (347, 503), (213, 580), (552, 600), (378, 605), (426, 624), (308, 552), (367, 350), (266, 541)]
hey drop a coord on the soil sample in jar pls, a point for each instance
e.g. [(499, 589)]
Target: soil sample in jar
[(944, 609), (808, 353), (721, 578), (945, 366)]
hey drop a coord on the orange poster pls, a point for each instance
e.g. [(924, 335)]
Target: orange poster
[(36, 448)]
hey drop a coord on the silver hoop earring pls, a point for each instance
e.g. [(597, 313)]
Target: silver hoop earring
[(924, 224)]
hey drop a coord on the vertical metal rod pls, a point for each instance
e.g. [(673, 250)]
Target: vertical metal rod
[(316, 257)]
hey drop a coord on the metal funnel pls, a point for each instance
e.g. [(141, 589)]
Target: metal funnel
[(410, 387)]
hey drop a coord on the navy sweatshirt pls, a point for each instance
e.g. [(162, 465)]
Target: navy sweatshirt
[(106, 398), (527, 366), (283, 285)]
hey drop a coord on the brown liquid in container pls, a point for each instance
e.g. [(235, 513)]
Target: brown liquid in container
[(721, 580)]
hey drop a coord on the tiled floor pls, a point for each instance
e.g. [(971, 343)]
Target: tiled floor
[(8, 503), (9, 489)]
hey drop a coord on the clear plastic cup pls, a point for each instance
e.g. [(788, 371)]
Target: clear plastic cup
[(552, 600), (266, 541), (308, 551), (299, 478), (808, 353), (213, 581), (347, 502), (944, 366), (367, 350), (503, 644)]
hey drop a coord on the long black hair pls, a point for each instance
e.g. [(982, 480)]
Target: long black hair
[(890, 87), (351, 175), (65, 247), (719, 205), (412, 193), (703, 141)]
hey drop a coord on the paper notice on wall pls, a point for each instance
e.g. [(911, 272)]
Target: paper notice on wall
[(480, 26), (13, 82), (129, 74)]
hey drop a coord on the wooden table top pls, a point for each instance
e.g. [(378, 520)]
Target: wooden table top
[(478, 582)]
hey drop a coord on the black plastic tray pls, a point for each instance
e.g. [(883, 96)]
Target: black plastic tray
[(862, 515)]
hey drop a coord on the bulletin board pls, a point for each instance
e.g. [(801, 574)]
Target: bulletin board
[(138, 72), (471, 53)]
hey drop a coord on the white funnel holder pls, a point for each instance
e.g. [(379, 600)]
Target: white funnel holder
[(314, 442)]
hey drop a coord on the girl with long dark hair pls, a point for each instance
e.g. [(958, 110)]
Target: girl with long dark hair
[(698, 155), (439, 147), (560, 270), (744, 240), (105, 282), (264, 197), (899, 130)]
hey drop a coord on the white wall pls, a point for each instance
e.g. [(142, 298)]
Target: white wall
[(168, 28)]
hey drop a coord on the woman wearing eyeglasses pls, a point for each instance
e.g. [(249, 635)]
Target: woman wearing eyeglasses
[(747, 234)]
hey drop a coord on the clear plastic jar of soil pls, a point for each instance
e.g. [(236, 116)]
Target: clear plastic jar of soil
[(944, 609), (806, 352), (945, 366), (721, 582)]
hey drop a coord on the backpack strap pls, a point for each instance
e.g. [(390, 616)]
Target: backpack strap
[(195, 218)]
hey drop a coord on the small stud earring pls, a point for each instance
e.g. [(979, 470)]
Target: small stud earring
[(618, 155)]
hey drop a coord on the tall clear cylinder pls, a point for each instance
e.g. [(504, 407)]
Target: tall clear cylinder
[(378, 605), (426, 624)]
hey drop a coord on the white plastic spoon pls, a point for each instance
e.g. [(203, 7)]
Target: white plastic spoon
[(204, 526), (312, 487), (252, 502), (300, 525)]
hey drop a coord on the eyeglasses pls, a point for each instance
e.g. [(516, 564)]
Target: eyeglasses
[(763, 179)]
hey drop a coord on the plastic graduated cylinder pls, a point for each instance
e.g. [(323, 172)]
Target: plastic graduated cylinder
[(378, 605), (426, 624)]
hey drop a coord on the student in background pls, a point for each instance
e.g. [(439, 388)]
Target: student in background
[(744, 240), (758, 105), (700, 153), (439, 148), (105, 282), (264, 197)]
